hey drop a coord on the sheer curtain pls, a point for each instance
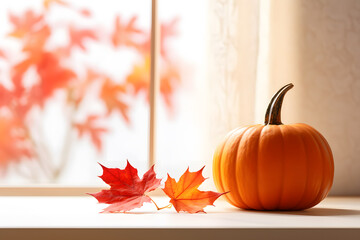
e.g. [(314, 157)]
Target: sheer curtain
[(256, 47)]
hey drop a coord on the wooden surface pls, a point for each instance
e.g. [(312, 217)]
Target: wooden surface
[(42, 217)]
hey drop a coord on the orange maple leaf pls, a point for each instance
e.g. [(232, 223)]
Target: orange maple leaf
[(125, 33), (139, 78), (78, 36), (34, 44), (111, 95), (169, 80), (184, 194), (25, 23), (89, 127)]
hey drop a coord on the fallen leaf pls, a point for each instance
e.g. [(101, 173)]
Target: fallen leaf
[(88, 127), (127, 191), (185, 195)]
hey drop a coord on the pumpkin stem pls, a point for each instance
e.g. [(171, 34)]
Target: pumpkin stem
[(273, 112)]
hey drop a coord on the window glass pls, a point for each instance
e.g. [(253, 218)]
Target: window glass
[(73, 88), (181, 131), (74, 82)]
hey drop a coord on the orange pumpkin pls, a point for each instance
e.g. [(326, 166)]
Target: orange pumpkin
[(274, 166)]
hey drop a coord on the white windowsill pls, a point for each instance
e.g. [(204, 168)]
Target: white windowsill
[(47, 216)]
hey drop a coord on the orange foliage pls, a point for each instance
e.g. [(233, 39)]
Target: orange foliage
[(53, 73), (127, 191), (185, 195)]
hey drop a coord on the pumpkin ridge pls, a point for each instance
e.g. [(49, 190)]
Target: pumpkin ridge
[(238, 197), (281, 195), (257, 168), (243, 197), (217, 160), (222, 160), (325, 151), (301, 200), (331, 159), (317, 199), (237, 192)]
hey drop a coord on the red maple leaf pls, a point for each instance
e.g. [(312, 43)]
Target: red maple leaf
[(88, 127), (184, 194), (25, 23), (78, 36), (111, 95), (125, 33), (127, 191), (52, 75), (167, 31)]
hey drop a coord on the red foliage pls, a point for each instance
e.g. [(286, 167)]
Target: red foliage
[(125, 33), (25, 23), (52, 66), (127, 191), (89, 128), (78, 36)]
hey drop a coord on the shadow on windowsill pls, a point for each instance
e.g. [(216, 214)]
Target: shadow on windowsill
[(314, 212)]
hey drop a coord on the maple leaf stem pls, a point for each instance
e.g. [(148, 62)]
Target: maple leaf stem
[(160, 208)]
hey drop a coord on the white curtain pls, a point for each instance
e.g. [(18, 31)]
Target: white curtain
[(258, 46)]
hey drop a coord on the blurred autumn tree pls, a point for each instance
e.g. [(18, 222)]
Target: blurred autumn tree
[(49, 64)]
